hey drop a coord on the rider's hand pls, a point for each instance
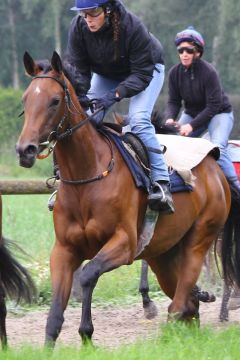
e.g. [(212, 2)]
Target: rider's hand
[(170, 121), (85, 102), (185, 130), (107, 100)]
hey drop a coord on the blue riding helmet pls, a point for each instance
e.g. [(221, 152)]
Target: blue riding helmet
[(88, 4), (190, 35)]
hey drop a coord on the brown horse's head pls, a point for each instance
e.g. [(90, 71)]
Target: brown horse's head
[(44, 105)]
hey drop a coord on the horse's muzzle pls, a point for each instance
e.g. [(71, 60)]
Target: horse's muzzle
[(26, 154)]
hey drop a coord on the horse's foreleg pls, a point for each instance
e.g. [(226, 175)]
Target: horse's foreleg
[(150, 309), (62, 266), (112, 255), (3, 314), (224, 312)]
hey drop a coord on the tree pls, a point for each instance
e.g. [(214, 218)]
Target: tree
[(228, 49), (51, 22)]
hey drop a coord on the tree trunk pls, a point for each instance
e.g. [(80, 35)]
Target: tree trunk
[(57, 25), (13, 45)]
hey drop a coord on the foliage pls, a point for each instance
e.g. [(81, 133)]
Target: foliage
[(11, 125), (10, 107), (48, 22), (228, 44)]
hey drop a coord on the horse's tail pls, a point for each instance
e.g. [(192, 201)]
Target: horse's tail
[(230, 250), (15, 279)]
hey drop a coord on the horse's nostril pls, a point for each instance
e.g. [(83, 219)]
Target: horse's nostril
[(30, 150)]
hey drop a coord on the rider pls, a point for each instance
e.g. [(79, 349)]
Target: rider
[(111, 56), (206, 107)]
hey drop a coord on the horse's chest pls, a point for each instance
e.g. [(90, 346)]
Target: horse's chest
[(88, 238)]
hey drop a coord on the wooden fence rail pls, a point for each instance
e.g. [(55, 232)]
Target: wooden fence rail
[(23, 187)]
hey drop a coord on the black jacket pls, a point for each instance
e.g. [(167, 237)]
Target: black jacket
[(200, 89), (89, 52)]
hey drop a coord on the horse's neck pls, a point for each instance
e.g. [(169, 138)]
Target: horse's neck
[(79, 155)]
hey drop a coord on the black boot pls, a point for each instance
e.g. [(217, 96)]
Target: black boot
[(160, 198)]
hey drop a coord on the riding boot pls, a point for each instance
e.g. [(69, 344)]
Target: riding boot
[(160, 198)]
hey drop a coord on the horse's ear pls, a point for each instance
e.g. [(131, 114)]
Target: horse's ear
[(56, 62), (30, 66)]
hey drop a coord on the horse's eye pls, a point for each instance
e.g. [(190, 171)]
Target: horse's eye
[(54, 102)]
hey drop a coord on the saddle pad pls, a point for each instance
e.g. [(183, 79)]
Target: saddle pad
[(139, 176), (138, 173), (184, 153), (178, 183)]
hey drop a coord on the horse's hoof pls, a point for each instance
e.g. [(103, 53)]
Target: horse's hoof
[(223, 319), (49, 344), (234, 303), (205, 296), (150, 310)]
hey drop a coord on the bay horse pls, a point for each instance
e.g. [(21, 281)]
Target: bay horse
[(15, 281), (99, 212)]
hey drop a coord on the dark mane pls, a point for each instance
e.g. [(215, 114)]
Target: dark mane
[(68, 71), (44, 65), (160, 126)]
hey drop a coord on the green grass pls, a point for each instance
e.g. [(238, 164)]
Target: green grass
[(176, 342), (26, 220)]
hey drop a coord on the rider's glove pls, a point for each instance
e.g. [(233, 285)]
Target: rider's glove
[(85, 102), (107, 100)]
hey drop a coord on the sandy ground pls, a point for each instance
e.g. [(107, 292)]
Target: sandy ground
[(113, 325)]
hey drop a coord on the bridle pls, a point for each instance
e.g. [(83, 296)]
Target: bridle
[(58, 135)]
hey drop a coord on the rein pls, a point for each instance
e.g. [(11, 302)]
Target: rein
[(55, 136)]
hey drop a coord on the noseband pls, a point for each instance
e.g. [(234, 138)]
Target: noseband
[(56, 136)]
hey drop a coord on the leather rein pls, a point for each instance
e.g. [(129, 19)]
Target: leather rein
[(56, 135)]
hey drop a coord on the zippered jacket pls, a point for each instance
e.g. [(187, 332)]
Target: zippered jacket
[(199, 90), (89, 52)]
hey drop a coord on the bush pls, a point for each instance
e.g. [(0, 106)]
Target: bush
[(10, 108), (11, 125)]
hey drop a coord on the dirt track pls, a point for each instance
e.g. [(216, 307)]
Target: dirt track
[(113, 325)]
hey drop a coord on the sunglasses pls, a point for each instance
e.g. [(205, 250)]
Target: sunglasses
[(95, 12), (188, 49)]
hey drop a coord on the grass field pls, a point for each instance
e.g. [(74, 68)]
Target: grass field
[(177, 342)]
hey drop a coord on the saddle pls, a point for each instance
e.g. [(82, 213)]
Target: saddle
[(136, 156)]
